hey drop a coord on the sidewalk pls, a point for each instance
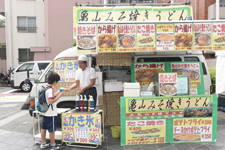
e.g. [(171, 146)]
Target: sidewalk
[(19, 141)]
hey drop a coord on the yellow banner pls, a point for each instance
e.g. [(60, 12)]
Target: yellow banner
[(107, 38), (165, 103), (80, 128), (183, 36), (218, 36), (145, 37), (66, 69), (203, 36), (145, 131), (126, 38), (165, 37)]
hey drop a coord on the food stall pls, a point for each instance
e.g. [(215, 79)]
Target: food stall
[(177, 110)]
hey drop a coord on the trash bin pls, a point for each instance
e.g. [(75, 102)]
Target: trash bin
[(115, 132)]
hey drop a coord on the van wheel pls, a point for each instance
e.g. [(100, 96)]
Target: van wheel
[(26, 87)]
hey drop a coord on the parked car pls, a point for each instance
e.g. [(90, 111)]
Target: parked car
[(19, 75)]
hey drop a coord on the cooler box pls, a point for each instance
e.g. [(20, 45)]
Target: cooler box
[(131, 89), (113, 86)]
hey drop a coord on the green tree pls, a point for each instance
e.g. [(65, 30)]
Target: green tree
[(74, 43), (2, 23), (212, 71)]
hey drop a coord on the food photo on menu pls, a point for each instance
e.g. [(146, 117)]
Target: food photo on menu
[(194, 73), (86, 42), (183, 40), (202, 39), (187, 137), (167, 89), (126, 41), (165, 37), (107, 41)]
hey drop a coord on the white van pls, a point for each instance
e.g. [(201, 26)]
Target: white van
[(120, 73), (19, 75)]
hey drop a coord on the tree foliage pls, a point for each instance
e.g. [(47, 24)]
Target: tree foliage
[(212, 71), (2, 23)]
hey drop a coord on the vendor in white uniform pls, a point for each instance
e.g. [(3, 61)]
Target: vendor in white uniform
[(85, 76)]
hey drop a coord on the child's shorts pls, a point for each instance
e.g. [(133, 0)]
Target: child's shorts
[(49, 123)]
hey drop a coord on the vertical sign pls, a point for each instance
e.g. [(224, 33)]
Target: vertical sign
[(167, 84), (145, 37), (202, 33), (192, 68), (183, 37), (107, 38), (144, 73), (66, 69), (192, 130), (126, 38), (86, 39), (145, 131), (78, 128), (218, 36), (165, 37)]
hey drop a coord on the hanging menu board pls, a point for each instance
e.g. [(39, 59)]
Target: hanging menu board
[(218, 36), (126, 38), (183, 37), (145, 37), (164, 37), (203, 36), (107, 38), (86, 39), (66, 69), (144, 73), (84, 129), (169, 119)]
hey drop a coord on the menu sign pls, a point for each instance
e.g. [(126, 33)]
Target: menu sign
[(168, 119), (164, 37), (183, 37), (144, 73), (126, 38), (78, 128), (192, 130), (167, 84), (145, 37), (192, 68), (202, 33), (154, 131), (107, 38), (86, 39), (66, 69), (218, 36)]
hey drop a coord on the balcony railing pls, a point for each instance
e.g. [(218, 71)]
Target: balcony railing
[(27, 29)]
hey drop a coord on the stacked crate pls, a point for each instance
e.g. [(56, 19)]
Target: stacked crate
[(109, 104)]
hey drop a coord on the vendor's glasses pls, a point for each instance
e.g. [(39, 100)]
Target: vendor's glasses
[(80, 63)]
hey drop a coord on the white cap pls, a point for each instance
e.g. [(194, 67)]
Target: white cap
[(83, 58)]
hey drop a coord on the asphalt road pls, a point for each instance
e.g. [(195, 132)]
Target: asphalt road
[(12, 118)]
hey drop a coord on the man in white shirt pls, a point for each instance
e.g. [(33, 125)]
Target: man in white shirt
[(86, 77)]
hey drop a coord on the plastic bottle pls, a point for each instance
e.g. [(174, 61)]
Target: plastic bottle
[(89, 105), (92, 104), (77, 102), (85, 103), (81, 103)]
